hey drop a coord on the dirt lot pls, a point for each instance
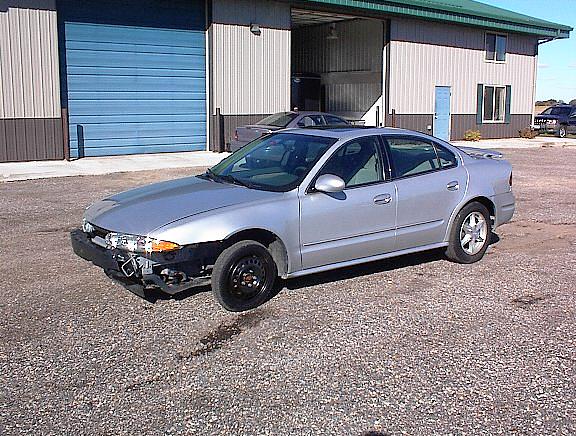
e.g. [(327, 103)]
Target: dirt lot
[(417, 345)]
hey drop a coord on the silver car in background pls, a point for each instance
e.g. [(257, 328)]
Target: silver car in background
[(297, 202), (283, 120)]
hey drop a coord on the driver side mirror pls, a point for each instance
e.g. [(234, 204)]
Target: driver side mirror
[(329, 183)]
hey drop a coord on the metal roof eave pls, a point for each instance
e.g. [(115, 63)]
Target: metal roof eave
[(411, 10)]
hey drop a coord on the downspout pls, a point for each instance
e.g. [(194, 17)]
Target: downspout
[(538, 44)]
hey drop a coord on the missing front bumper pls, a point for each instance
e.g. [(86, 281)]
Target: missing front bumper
[(138, 279)]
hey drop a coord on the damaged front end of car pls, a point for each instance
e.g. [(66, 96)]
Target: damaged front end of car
[(140, 263)]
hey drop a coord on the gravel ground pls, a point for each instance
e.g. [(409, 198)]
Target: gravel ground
[(416, 345)]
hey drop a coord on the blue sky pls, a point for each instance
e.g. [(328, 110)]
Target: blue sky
[(557, 59)]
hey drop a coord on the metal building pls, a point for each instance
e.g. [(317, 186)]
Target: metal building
[(95, 78)]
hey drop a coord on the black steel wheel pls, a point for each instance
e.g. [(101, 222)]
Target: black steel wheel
[(243, 276)]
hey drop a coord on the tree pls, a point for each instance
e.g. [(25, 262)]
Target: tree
[(573, 101)]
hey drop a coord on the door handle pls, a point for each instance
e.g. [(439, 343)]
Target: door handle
[(453, 186), (383, 199)]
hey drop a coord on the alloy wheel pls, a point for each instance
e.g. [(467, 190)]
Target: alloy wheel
[(473, 233)]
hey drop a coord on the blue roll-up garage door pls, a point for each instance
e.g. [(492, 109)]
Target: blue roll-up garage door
[(135, 75)]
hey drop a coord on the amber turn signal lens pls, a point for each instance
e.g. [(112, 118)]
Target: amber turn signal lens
[(164, 246)]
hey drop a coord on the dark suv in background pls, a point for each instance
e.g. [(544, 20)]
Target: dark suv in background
[(559, 119)]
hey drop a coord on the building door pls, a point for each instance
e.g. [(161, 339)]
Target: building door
[(442, 113), (134, 75)]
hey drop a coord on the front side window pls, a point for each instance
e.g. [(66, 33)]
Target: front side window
[(496, 47), (277, 162), (411, 156), (357, 162), (494, 103)]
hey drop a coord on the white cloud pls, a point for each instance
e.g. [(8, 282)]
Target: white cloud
[(543, 66)]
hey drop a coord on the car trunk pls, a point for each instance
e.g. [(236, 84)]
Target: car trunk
[(252, 132)]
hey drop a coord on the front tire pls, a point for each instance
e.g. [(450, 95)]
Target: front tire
[(243, 276), (470, 234), (562, 131)]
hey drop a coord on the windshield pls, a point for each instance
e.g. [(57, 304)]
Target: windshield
[(278, 120), (277, 162), (556, 111)]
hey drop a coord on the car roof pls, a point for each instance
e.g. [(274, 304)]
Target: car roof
[(348, 132), (313, 113)]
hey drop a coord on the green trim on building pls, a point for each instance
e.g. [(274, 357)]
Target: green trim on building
[(464, 12)]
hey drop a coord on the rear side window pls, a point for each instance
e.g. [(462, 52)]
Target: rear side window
[(412, 156), (310, 121), (447, 158), (335, 121)]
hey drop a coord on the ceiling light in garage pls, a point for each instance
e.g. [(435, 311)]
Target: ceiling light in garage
[(255, 29), (332, 34)]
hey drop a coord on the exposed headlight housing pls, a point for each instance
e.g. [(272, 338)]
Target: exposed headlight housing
[(86, 226), (139, 244)]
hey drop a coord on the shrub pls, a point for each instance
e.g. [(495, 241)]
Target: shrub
[(527, 133), (472, 135)]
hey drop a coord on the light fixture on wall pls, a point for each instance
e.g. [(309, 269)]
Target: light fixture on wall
[(332, 34), (255, 29)]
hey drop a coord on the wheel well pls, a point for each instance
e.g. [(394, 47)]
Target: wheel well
[(268, 239), (486, 202)]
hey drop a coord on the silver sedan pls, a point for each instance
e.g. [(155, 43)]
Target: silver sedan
[(299, 202), (282, 120)]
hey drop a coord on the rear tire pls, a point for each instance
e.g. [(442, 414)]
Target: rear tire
[(243, 276), (470, 234)]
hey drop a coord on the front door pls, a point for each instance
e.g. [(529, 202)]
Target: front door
[(357, 222), (442, 113)]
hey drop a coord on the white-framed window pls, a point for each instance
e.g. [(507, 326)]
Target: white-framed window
[(494, 104), (496, 44)]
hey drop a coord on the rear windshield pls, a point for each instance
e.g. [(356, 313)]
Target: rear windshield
[(278, 120), (556, 111)]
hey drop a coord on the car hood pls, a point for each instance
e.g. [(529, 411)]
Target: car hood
[(142, 210)]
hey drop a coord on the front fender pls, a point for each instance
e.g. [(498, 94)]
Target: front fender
[(280, 216)]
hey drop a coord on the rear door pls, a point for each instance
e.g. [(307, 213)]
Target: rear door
[(430, 183), (357, 222)]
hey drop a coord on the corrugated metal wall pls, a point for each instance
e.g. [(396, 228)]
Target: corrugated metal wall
[(250, 73), (29, 84), (30, 123), (350, 66), (422, 57)]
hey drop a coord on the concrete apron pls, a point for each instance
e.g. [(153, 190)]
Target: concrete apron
[(91, 166)]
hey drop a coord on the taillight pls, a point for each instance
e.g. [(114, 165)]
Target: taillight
[(510, 180)]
